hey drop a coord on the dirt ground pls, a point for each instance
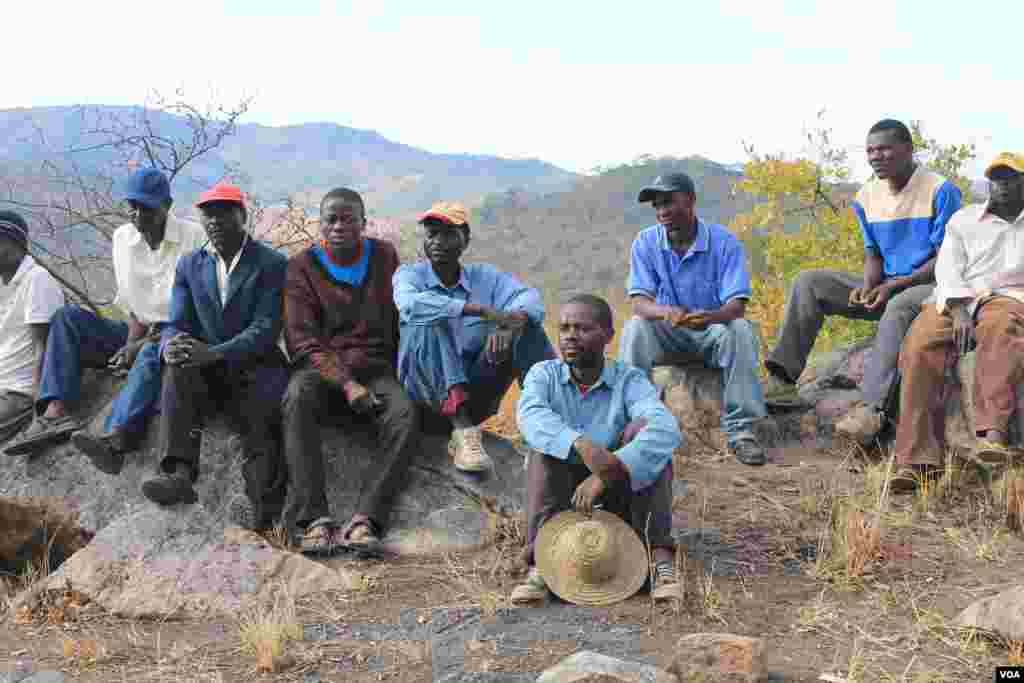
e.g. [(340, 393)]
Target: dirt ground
[(758, 559)]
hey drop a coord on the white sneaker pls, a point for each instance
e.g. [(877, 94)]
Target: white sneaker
[(467, 450)]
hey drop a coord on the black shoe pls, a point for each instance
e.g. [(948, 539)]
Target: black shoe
[(106, 452), (748, 451), (170, 489)]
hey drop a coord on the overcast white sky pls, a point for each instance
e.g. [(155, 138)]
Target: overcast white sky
[(563, 80)]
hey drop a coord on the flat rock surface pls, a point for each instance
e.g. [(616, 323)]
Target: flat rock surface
[(1002, 614)]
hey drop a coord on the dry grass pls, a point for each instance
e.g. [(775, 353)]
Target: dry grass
[(264, 629), (1008, 491)]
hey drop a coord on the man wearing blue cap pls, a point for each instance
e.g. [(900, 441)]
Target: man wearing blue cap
[(145, 253), (30, 297), (689, 286)]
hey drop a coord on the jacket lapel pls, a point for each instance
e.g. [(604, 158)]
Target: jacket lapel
[(243, 272), (209, 276)]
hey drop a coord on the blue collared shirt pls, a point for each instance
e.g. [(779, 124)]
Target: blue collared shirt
[(712, 272), (552, 414), (422, 299)]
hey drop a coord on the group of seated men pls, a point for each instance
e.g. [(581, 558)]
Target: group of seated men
[(368, 338)]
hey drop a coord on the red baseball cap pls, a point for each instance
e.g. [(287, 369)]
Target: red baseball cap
[(222, 192)]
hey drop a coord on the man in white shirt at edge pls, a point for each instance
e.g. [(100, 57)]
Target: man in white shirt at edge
[(29, 296), (145, 253), (978, 303)]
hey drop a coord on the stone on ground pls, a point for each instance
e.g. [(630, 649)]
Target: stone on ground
[(593, 667), (719, 658), (1001, 614)]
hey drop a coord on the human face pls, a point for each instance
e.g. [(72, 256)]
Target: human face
[(443, 244), (889, 158), (581, 336), (1006, 186), (11, 253), (674, 210), (342, 224), (148, 221), (224, 223)]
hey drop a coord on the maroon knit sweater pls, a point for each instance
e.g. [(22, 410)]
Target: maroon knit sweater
[(342, 331)]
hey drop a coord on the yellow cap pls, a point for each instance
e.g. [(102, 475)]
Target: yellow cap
[(1009, 159), (452, 213)]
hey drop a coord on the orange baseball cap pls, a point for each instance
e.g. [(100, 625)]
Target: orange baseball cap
[(451, 213), (1008, 159), (222, 192)]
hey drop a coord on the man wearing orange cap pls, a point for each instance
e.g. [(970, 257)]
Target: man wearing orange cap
[(220, 350), (467, 330), (978, 303)]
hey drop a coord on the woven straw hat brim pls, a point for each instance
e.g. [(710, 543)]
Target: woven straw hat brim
[(630, 572)]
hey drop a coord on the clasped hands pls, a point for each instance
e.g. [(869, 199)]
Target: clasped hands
[(592, 488), (871, 298), (186, 351), (679, 316), (361, 399), (123, 360)]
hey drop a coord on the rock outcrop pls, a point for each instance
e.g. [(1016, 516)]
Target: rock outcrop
[(593, 667), (1001, 614)]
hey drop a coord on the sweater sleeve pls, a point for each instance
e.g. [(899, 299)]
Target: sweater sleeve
[(303, 324)]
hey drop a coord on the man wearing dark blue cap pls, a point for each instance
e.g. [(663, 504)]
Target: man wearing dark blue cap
[(689, 285), (145, 253), (30, 296)]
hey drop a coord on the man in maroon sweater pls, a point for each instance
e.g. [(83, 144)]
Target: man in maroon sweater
[(341, 329)]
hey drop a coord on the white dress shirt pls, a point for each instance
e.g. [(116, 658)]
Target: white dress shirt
[(31, 297), (145, 277), (981, 256)]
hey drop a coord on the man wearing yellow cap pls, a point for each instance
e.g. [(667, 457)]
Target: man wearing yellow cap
[(467, 331), (978, 303)]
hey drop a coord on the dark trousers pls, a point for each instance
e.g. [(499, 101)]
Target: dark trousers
[(251, 399), (309, 403), (819, 293), (550, 483), (16, 411)]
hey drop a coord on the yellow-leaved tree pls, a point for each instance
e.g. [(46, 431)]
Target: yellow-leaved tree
[(805, 220)]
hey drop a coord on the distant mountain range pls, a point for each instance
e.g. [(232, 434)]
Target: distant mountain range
[(300, 162)]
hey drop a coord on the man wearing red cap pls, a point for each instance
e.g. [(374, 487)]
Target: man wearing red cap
[(467, 331), (220, 350), (978, 304), (341, 328)]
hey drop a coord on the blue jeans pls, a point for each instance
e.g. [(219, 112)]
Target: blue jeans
[(79, 339), (429, 363), (731, 347)]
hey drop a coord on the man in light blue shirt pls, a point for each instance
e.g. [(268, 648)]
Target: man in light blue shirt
[(689, 285), (466, 332), (572, 412)]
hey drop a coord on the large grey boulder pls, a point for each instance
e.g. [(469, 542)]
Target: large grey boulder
[(1001, 614), (193, 552), (593, 667)]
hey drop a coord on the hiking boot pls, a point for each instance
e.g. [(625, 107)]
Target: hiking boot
[(748, 450), (170, 488), (106, 452), (909, 478), (861, 424), (467, 450), (779, 393), (43, 432), (666, 583), (534, 589)]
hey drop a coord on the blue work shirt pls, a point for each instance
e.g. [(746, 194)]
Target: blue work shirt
[(552, 414), (712, 272), (421, 299)]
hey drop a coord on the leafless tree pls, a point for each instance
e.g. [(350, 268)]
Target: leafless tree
[(68, 190)]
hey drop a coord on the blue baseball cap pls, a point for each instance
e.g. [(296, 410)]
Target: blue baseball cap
[(147, 186)]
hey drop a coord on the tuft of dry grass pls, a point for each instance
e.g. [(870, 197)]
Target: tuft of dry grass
[(266, 628), (1008, 492)]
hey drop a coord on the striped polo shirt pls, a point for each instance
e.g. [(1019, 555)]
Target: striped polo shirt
[(906, 227)]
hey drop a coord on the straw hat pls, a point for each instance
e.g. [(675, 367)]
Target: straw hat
[(590, 561)]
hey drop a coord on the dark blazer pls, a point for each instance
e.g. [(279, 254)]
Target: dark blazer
[(246, 329)]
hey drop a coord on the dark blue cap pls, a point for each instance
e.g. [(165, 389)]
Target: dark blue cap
[(670, 182), (147, 186), (14, 227)]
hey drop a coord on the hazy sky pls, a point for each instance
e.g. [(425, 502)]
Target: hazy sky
[(569, 82)]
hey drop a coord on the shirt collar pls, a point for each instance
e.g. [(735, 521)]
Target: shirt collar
[(26, 265), (172, 232), (700, 243), (434, 281), (918, 172), (216, 254), (984, 213), (607, 377)]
